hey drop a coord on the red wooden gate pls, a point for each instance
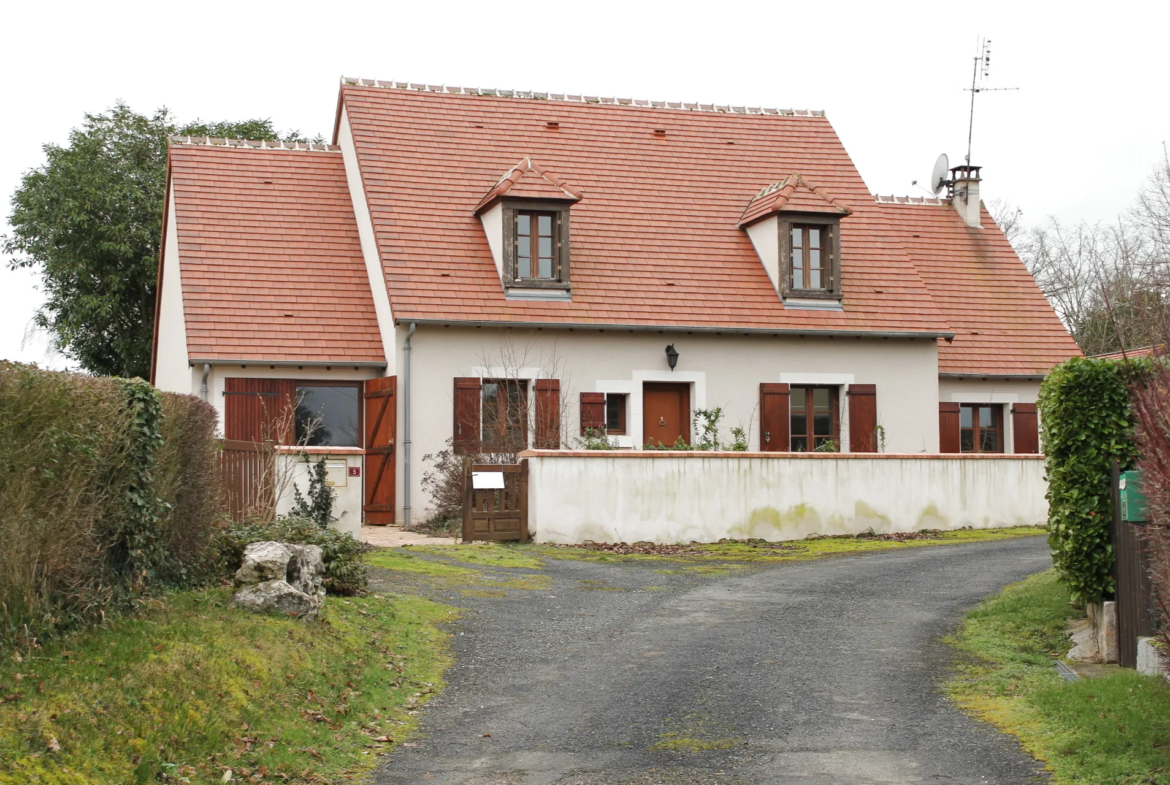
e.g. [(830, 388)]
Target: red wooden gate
[(247, 473), (381, 416)]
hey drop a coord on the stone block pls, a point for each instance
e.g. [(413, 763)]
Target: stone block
[(281, 578), (1107, 632), (1151, 659)]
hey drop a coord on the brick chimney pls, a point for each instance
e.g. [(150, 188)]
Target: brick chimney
[(965, 194)]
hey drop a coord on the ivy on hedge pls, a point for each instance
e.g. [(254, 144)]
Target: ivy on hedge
[(1086, 423), (137, 549)]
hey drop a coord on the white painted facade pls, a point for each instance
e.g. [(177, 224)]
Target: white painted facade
[(171, 366), (347, 503), (697, 497)]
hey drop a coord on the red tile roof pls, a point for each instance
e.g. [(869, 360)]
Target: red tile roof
[(1003, 324), (655, 240), (526, 179), (1129, 354), (269, 254), (793, 194)]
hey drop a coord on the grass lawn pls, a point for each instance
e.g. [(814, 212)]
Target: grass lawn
[(190, 688), (1112, 729)]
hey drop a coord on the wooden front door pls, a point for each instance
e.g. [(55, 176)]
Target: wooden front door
[(666, 413), (381, 416)]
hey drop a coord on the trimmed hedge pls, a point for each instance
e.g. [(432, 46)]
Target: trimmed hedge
[(1086, 422), (107, 489)]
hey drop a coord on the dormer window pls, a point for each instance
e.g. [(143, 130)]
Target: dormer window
[(811, 257), (536, 245)]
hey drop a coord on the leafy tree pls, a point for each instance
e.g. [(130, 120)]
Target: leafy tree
[(90, 219)]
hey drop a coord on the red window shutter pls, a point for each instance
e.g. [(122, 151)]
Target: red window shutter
[(592, 411), (548, 414), (862, 418), (774, 422), (1025, 429), (948, 427), (381, 421), (256, 409), (467, 394)]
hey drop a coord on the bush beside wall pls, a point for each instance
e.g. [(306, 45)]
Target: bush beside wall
[(107, 489), (1086, 423)]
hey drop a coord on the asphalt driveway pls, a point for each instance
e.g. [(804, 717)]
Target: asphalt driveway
[(811, 673)]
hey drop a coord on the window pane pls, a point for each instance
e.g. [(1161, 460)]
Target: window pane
[(545, 228), (814, 238), (545, 246), (524, 246), (985, 419), (814, 258), (546, 267), (613, 412), (989, 441), (523, 224), (967, 440), (799, 444), (814, 279), (821, 399), (327, 416), (799, 424), (523, 267), (798, 395), (797, 237), (965, 417), (822, 425), (797, 278)]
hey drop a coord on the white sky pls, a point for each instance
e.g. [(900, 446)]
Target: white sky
[(1076, 141)]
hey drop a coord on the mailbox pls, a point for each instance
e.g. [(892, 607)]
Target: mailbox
[(1133, 502)]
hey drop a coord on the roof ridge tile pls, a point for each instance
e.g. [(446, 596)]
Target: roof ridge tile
[(255, 144), (682, 106)]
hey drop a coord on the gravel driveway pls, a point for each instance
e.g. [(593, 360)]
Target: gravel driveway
[(814, 673)]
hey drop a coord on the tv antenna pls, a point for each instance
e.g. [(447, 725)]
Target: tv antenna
[(979, 77)]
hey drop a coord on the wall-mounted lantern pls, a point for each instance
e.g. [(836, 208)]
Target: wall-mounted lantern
[(671, 356)]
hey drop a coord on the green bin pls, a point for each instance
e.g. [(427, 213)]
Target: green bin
[(1133, 502)]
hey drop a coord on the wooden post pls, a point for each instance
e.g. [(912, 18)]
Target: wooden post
[(467, 497), (523, 494)]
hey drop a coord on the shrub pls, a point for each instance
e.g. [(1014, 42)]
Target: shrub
[(345, 572), (318, 508), (1086, 424)]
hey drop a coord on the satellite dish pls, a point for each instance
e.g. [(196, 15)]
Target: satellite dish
[(938, 178)]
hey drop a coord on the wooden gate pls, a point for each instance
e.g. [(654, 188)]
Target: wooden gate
[(496, 513), (381, 416), (247, 473), (1131, 572)]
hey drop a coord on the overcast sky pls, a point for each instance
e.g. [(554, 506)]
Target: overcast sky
[(1076, 141)]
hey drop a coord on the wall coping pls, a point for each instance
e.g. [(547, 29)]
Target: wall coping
[(816, 456)]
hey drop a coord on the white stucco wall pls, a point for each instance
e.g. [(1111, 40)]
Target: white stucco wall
[(493, 229), (696, 497), (347, 505), (171, 370), (765, 237), (990, 391), (723, 371), (369, 243)]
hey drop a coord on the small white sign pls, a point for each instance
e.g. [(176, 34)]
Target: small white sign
[(487, 480)]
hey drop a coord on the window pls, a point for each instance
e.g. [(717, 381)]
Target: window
[(814, 419), (504, 407), (536, 245), (810, 251), (615, 414), (328, 415), (980, 428)]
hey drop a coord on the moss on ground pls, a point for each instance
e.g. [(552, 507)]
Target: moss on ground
[(1112, 729), (190, 687)]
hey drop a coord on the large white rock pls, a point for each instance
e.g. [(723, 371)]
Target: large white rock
[(281, 578), (1150, 658)]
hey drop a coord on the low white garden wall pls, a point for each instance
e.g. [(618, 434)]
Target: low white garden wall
[(679, 497)]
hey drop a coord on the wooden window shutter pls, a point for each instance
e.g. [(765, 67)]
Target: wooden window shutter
[(253, 409), (381, 422), (948, 427), (592, 411), (774, 422), (548, 414), (1025, 429), (862, 418), (466, 430)]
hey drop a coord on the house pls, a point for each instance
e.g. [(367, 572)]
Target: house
[(494, 269)]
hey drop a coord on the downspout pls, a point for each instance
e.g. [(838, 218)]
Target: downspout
[(406, 426), (203, 386)]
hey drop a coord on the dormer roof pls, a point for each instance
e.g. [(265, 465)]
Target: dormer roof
[(792, 194), (529, 181)]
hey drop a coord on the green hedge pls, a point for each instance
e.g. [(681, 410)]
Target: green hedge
[(107, 489), (1086, 423)]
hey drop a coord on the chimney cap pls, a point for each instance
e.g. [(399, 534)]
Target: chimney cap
[(965, 172)]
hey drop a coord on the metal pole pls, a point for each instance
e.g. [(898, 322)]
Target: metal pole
[(406, 427)]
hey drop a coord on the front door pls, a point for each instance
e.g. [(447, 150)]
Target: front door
[(666, 413)]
